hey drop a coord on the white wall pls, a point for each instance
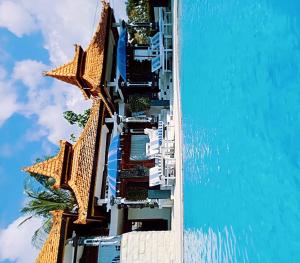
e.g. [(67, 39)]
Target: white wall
[(101, 162), (69, 251), (116, 221)]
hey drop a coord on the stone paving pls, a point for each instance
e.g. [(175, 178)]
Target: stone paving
[(148, 247)]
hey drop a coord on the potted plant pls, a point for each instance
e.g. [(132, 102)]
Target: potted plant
[(138, 105)]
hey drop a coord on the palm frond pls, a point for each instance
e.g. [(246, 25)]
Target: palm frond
[(40, 235), (42, 199), (25, 220)]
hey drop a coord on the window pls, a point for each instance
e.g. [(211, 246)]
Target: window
[(138, 147)]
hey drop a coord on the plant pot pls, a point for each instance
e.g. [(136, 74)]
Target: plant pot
[(138, 104)]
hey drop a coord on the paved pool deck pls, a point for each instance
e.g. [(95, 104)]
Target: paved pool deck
[(177, 223)]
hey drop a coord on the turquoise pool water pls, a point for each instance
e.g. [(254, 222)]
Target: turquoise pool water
[(240, 76)]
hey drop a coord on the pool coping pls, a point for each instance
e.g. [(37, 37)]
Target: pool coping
[(177, 224)]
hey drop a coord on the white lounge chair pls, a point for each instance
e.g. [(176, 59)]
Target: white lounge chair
[(154, 176), (153, 147)]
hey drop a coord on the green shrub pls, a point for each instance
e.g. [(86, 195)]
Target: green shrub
[(137, 103)]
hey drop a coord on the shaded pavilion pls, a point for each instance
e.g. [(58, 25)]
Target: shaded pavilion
[(76, 167), (91, 69), (56, 249)]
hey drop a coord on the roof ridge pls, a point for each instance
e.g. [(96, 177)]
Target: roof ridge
[(52, 167), (50, 250)]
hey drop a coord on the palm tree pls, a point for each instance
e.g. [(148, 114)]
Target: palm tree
[(42, 199)]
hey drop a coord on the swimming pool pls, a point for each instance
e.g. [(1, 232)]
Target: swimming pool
[(240, 87)]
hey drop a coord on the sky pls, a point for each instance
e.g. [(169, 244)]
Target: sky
[(36, 35)]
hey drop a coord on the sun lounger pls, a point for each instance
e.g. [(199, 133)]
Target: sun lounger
[(154, 176), (155, 137)]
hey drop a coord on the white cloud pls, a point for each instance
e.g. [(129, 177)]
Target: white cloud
[(44, 101), (68, 22), (16, 241), (29, 72), (3, 73), (35, 135), (8, 99), (8, 105), (64, 23), (47, 102), (119, 8), (58, 128), (16, 18)]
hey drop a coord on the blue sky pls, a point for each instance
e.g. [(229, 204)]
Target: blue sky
[(35, 35)]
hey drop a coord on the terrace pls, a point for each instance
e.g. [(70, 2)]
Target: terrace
[(141, 166)]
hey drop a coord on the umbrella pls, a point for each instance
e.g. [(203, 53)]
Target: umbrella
[(114, 156), (121, 53)]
